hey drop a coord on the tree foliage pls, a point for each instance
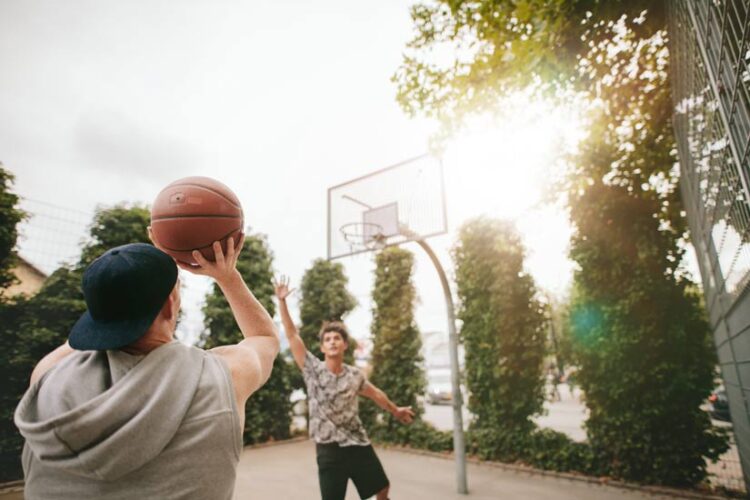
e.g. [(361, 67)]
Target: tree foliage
[(10, 313), (642, 344), (118, 225), (396, 353), (10, 216), (465, 55), (324, 297), (639, 333), (268, 411), (503, 327)]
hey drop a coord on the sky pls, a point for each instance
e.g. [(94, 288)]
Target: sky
[(106, 101)]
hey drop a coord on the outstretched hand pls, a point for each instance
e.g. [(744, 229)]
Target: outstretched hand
[(281, 287), (404, 414), (224, 266)]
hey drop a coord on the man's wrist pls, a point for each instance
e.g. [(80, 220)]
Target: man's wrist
[(230, 279)]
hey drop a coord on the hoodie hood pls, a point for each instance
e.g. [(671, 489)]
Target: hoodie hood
[(104, 414)]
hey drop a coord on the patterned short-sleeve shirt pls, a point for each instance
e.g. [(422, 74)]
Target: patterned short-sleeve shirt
[(333, 403)]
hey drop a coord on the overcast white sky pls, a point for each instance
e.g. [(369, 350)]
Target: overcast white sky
[(105, 101)]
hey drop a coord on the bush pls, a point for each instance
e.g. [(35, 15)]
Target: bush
[(419, 434), (268, 412), (642, 344), (502, 330), (396, 353), (541, 448)]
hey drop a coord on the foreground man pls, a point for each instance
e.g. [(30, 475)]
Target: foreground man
[(343, 449), (124, 411)]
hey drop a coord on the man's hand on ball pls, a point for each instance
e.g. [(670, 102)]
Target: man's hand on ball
[(224, 267)]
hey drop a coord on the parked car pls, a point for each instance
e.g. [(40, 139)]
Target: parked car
[(718, 405), (439, 388)]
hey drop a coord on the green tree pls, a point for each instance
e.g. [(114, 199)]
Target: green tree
[(30, 327), (642, 343), (503, 330), (498, 46), (396, 353), (268, 411), (118, 225), (10, 216), (10, 312), (631, 305), (638, 331), (324, 297)]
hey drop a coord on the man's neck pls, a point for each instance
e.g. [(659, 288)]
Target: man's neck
[(146, 344), (335, 364)]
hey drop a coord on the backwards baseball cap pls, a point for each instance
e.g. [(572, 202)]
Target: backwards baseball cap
[(125, 289)]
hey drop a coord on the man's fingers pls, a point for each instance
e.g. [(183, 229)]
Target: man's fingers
[(230, 249), (218, 253), (199, 258), (187, 267)]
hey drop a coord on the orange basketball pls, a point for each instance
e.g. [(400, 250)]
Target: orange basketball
[(191, 213)]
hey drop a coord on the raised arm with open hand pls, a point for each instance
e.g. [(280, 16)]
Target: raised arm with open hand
[(296, 345)]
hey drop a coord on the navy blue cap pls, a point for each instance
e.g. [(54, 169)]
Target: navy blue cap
[(125, 289)]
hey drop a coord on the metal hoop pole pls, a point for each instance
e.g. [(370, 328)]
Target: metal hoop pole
[(459, 447)]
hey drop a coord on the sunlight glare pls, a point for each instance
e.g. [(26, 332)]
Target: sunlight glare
[(502, 166)]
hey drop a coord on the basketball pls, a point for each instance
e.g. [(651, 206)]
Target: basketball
[(191, 213)]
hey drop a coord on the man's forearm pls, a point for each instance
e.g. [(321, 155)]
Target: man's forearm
[(251, 316), (286, 319), (381, 399)]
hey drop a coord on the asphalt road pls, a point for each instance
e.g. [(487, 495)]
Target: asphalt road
[(566, 415)]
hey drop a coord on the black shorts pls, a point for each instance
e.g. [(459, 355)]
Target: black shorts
[(337, 464)]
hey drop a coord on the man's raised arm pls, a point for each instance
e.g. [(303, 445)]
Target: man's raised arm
[(251, 360), (296, 345)]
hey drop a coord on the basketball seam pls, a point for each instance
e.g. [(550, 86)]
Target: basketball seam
[(198, 248), (196, 216), (207, 189)]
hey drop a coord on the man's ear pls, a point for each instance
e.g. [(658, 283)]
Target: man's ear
[(169, 309)]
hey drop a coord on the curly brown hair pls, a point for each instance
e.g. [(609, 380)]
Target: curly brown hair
[(334, 326)]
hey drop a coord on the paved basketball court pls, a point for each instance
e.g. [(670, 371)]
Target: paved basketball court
[(288, 471)]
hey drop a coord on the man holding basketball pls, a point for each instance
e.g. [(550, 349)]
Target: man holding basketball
[(343, 450), (124, 411)]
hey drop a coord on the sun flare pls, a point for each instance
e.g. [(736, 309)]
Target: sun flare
[(502, 166)]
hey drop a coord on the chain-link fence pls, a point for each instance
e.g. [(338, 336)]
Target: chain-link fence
[(709, 57), (51, 235)]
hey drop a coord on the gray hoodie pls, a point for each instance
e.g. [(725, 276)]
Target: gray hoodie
[(107, 424)]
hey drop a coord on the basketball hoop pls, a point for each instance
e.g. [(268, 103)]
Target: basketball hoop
[(363, 235)]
